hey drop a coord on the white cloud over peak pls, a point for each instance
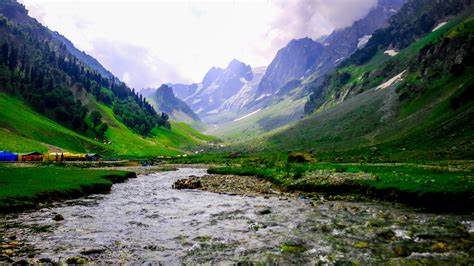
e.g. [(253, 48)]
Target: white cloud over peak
[(148, 42)]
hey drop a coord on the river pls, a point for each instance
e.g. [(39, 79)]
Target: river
[(145, 220)]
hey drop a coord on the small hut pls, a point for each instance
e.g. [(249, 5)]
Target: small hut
[(6, 156), (31, 157)]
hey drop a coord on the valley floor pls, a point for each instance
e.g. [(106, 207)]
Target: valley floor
[(145, 220)]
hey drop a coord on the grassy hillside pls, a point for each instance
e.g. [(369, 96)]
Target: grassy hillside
[(22, 130), (246, 127), (426, 115)]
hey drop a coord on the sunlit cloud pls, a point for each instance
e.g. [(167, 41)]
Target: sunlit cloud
[(147, 43)]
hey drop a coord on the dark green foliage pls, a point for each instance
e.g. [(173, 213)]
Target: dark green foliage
[(429, 59), (136, 118), (40, 69), (96, 125), (415, 19), (95, 117), (462, 99)]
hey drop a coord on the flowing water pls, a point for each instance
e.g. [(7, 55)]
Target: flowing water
[(145, 220)]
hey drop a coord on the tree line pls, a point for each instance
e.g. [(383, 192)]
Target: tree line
[(40, 70)]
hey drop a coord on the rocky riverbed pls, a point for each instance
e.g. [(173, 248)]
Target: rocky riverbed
[(145, 220)]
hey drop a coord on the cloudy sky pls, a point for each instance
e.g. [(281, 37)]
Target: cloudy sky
[(146, 43)]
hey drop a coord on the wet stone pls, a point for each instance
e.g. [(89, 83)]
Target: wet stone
[(21, 262), (76, 260), (439, 247), (46, 261), (263, 211), (188, 183), (386, 234), (93, 251), (401, 250), (58, 217)]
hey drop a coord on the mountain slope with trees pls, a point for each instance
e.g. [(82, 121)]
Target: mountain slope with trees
[(56, 89), (41, 70), (164, 100), (416, 103)]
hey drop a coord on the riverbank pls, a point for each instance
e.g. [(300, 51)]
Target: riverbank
[(145, 221), (431, 188), (31, 187)]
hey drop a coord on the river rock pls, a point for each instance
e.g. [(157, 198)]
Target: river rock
[(47, 261), (8, 252), (5, 259), (92, 251), (401, 250), (21, 262), (188, 183), (76, 260), (58, 217), (440, 247), (263, 211), (386, 234)]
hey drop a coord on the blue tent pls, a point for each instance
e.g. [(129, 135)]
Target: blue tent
[(6, 156)]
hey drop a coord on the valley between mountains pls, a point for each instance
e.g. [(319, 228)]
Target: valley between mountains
[(356, 147)]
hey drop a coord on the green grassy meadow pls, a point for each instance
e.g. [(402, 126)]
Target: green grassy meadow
[(24, 187), (431, 185)]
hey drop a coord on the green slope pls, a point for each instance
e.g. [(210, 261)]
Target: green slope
[(425, 116), (22, 130), (286, 111)]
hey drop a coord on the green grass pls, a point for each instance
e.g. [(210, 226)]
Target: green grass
[(24, 130), (284, 112), (433, 184), (422, 127), (25, 187)]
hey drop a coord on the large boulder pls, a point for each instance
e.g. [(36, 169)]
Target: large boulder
[(188, 183), (300, 157)]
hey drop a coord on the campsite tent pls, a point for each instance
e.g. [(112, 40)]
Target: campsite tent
[(54, 156), (6, 156), (74, 156), (31, 156)]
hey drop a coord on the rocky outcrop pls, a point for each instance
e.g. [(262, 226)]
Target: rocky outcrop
[(192, 182), (164, 100), (291, 62), (217, 87)]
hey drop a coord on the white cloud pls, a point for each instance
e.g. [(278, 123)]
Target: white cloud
[(165, 41)]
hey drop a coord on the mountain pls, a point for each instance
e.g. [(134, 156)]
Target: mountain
[(341, 43), (83, 57), (61, 103), (163, 100), (217, 87), (291, 62), (406, 95), (416, 19), (293, 73), (183, 91)]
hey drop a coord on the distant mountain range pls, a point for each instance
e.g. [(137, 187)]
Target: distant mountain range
[(164, 100), (238, 91)]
